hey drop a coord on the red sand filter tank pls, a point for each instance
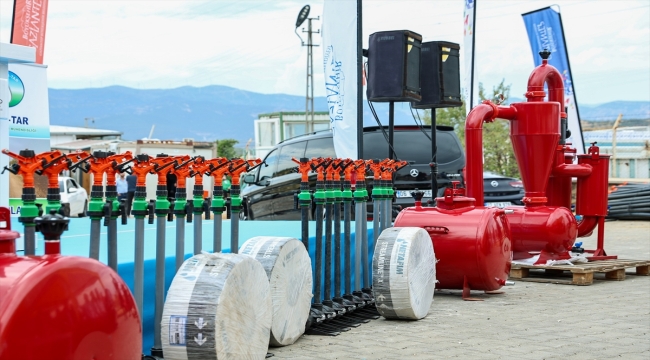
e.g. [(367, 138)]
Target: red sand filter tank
[(62, 307), (472, 244)]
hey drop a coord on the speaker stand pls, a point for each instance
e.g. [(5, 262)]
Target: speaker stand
[(391, 126), (433, 164)]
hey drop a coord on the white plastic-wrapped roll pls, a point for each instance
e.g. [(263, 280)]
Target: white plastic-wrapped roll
[(288, 267), (218, 307), (403, 273)]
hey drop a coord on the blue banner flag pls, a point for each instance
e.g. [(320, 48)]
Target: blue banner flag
[(545, 31)]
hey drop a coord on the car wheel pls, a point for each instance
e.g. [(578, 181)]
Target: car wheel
[(85, 210), (65, 210)]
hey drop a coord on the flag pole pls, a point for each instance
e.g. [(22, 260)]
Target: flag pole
[(359, 83), (573, 90), (471, 90)]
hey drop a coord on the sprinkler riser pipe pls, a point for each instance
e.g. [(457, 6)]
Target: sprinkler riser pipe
[(180, 241)]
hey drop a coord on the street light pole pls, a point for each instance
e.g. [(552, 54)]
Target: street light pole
[(309, 97)]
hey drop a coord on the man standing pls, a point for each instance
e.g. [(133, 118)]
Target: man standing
[(122, 187), (131, 180)]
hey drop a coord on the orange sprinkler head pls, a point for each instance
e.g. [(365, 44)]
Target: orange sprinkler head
[(29, 163), (239, 166), (349, 169), (319, 165), (119, 162), (164, 164), (331, 169), (199, 167), (142, 166), (304, 167), (182, 172), (52, 170), (360, 168), (218, 168), (376, 168)]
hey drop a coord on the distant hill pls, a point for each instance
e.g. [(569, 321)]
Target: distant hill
[(631, 110), (219, 112), (205, 114), (637, 110)]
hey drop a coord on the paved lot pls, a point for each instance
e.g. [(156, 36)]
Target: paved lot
[(609, 319)]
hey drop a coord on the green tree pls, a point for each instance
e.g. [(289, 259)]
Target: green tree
[(226, 148), (498, 155)]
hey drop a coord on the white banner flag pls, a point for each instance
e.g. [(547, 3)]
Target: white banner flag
[(468, 54), (28, 121), (339, 33)]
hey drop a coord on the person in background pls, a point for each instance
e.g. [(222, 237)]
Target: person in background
[(122, 187), (171, 186), (131, 180)]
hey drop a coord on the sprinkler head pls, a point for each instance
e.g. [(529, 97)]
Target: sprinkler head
[(100, 154), (142, 157), (27, 153)]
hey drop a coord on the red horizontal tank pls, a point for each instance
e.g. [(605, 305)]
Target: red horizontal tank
[(64, 307), (549, 229), (470, 242)]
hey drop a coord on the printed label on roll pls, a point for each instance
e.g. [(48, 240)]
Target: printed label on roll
[(288, 268), (404, 273), (217, 307)]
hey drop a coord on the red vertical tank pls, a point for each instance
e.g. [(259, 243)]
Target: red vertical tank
[(64, 307), (472, 244)]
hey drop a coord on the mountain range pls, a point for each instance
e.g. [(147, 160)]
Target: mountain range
[(220, 112)]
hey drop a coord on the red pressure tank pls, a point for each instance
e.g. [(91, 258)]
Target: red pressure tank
[(549, 229), (63, 307), (472, 244)]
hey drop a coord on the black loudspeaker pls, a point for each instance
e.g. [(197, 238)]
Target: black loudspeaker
[(439, 75), (394, 66)]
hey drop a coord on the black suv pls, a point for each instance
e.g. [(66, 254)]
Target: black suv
[(269, 191)]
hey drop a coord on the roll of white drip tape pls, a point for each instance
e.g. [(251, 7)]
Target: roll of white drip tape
[(403, 273), (218, 307), (288, 268)]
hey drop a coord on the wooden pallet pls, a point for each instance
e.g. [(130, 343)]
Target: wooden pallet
[(582, 274)]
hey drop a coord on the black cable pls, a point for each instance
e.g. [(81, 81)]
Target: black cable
[(419, 124)]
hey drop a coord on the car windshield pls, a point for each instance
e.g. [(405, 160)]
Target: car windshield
[(413, 146), (61, 186)]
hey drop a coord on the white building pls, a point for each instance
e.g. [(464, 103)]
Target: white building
[(271, 129), (630, 150), (70, 139), (67, 134)]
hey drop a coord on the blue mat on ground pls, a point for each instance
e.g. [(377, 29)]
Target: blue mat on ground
[(75, 242)]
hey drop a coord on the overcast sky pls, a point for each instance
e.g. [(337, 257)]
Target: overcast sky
[(251, 45)]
